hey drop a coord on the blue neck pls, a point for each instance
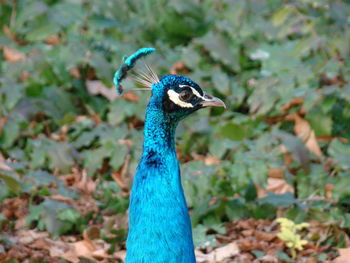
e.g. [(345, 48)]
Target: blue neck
[(159, 130), (159, 223)]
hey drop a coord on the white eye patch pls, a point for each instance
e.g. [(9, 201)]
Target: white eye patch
[(174, 97)]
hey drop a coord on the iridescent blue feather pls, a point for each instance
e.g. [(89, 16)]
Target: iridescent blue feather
[(128, 64)]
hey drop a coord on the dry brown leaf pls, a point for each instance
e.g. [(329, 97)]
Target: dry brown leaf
[(210, 160), (80, 180), (179, 67), (121, 254), (15, 208), (13, 55), (28, 236), (276, 173), (86, 184), (130, 96), (62, 198), (92, 233), (328, 190), (87, 249), (275, 183), (278, 186), (303, 130), (55, 248), (24, 76), (119, 176), (247, 232), (344, 255), (227, 251), (8, 33), (80, 248), (52, 40), (20, 223), (218, 254), (75, 72), (268, 259), (264, 236), (292, 103), (96, 87)]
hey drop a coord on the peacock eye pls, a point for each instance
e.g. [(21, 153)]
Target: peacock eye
[(186, 95)]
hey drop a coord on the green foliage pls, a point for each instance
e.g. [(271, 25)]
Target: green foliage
[(257, 55)]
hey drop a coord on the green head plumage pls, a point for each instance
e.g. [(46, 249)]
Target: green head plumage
[(129, 63)]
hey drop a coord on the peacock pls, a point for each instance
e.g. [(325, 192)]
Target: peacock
[(159, 223)]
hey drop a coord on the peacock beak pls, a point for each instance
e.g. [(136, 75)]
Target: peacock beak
[(211, 101)]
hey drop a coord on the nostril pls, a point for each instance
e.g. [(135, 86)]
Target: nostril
[(206, 96)]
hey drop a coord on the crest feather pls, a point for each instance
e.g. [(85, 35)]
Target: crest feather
[(145, 79)]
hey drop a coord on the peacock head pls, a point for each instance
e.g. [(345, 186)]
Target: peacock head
[(177, 96)]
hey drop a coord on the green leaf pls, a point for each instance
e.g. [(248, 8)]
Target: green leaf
[(221, 82), (281, 15), (279, 200), (70, 215), (234, 132), (250, 192), (10, 133), (219, 48), (321, 128), (29, 11), (284, 257), (60, 156), (258, 253), (341, 153), (42, 32), (10, 181), (200, 238)]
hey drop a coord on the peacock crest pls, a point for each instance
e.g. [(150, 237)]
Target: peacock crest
[(144, 78)]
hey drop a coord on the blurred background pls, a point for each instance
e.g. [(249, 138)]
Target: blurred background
[(69, 146)]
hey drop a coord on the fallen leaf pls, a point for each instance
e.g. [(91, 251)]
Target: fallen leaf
[(62, 198), (328, 190), (179, 67), (75, 73), (130, 96), (210, 160), (275, 183), (15, 208), (294, 102), (227, 251), (80, 180), (121, 254), (344, 255), (24, 76), (86, 184), (8, 33), (264, 236), (28, 236), (52, 40), (13, 55), (278, 186), (268, 259), (96, 87), (276, 173), (80, 248), (119, 176), (303, 130), (218, 254)]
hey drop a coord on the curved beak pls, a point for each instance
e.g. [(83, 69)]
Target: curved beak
[(211, 101)]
